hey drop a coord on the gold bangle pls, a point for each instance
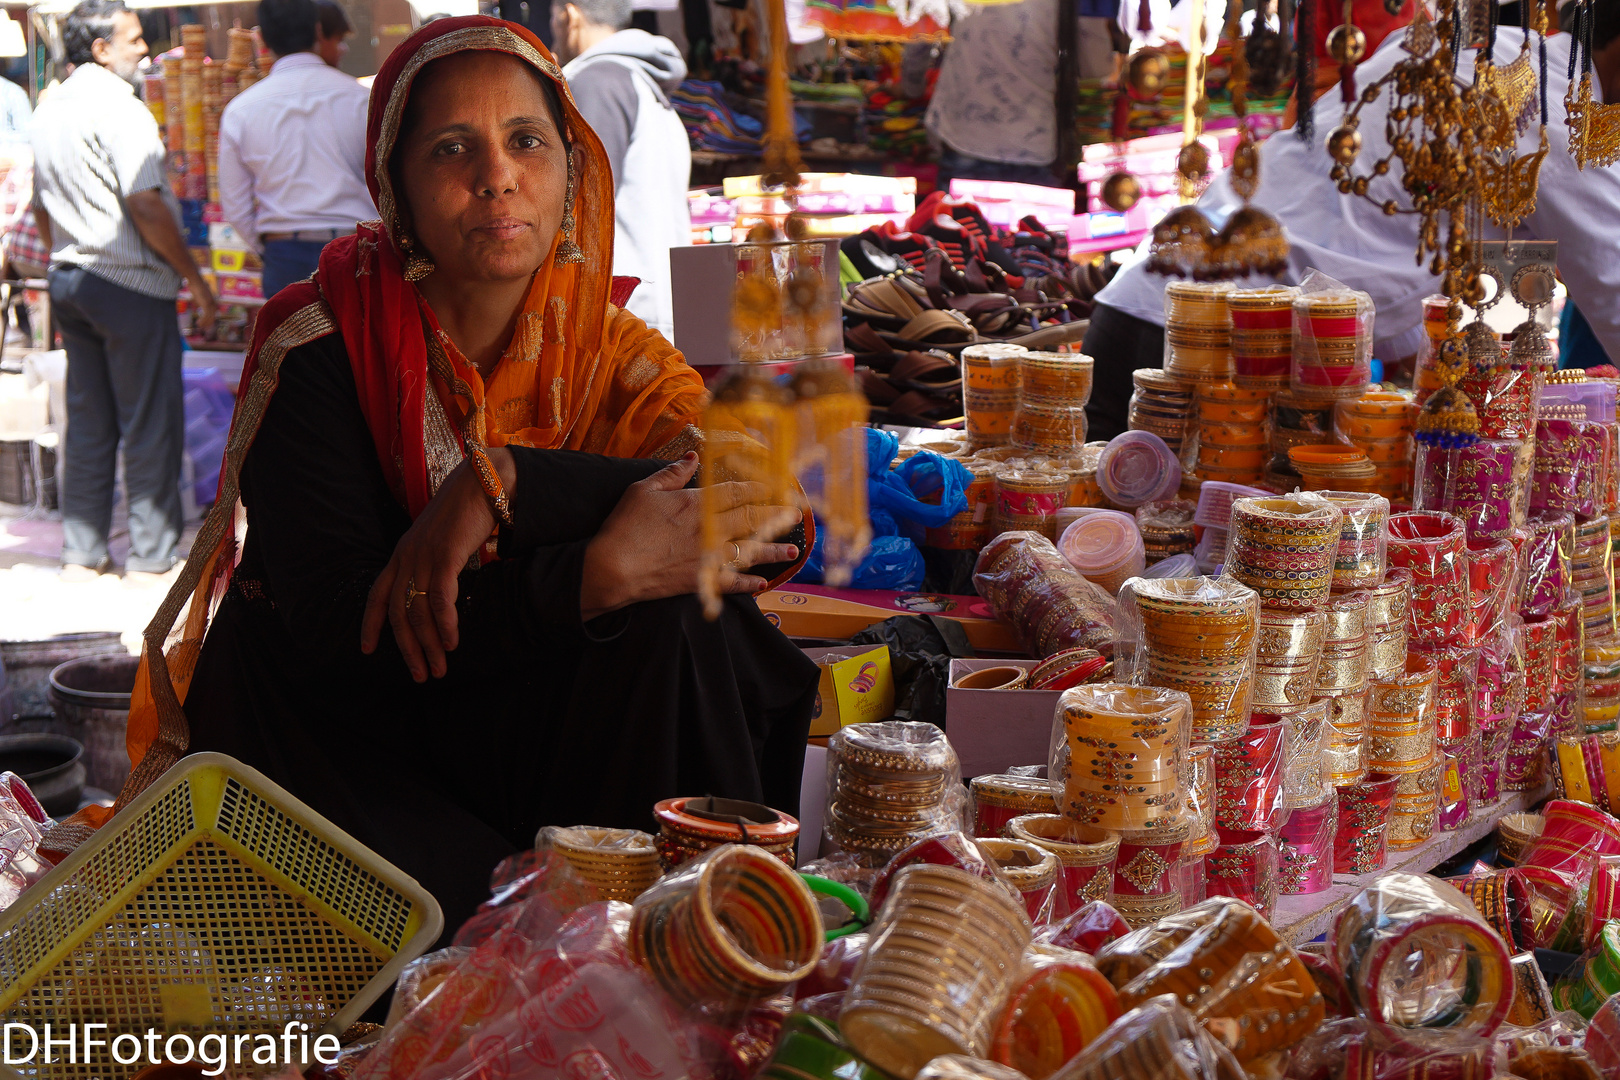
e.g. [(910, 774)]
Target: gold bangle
[(491, 480)]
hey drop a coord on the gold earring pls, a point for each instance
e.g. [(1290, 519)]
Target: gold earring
[(417, 265), (567, 250)]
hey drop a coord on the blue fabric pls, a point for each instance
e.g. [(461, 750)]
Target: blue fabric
[(287, 261), (1578, 347)]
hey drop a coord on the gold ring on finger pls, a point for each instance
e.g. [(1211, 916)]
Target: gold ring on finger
[(736, 555)]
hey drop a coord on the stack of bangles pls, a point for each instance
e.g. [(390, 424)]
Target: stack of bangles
[(891, 783), (1381, 938), (1344, 755), (1166, 528), (1249, 777), (1126, 754), (1600, 676), (1324, 468), (1284, 549), (1030, 499), (1492, 572), (1400, 718), (1000, 797), (1198, 331), (1569, 460), (1050, 607), (1161, 405), (1482, 484), (1032, 871), (1198, 636), (1201, 801), (1361, 844), (1362, 558), (1540, 637), (1546, 544), (1593, 576), (1387, 611), (1381, 424), (975, 526), (689, 827), (1059, 1005), (1345, 662), (1085, 855), (1232, 443), (1305, 847), (1244, 867), (1332, 355), (1236, 969), (1287, 656), (1053, 390), (1147, 882), (1571, 834), (621, 863), (1414, 811), (1456, 671), (990, 391), (1433, 546), (1262, 335), (1305, 775)]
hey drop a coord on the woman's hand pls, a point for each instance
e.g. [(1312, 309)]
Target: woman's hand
[(651, 546), (416, 591)]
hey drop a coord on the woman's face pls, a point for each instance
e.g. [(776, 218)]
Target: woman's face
[(482, 167)]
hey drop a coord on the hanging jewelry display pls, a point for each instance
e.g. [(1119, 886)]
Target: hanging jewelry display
[(1252, 241), (782, 161), (1268, 52), (1305, 70), (1145, 73), (1192, 165), (1527, 269), (1594, 126), (1347, 44)]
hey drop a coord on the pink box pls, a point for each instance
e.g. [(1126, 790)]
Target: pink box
[(993, 730)]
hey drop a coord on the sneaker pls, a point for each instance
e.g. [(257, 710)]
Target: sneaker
[(866, 256), (968, 215), (952, 238), (912, 247)]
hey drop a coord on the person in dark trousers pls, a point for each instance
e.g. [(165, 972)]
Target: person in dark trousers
[(105, 211)]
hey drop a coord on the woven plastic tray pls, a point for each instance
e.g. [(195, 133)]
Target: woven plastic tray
[(214, 902)]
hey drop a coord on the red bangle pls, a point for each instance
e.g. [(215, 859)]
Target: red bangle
[(1361, 843), (1054, 1011), (1305, 848), (1244, 867), (683, 835), (1249, 777)]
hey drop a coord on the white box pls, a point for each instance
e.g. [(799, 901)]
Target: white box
[(993, 730)]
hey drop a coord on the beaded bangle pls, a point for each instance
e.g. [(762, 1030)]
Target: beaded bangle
[(491, 480)]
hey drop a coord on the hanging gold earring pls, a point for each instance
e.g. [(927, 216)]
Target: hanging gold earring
[(417, 265), (567, 250)]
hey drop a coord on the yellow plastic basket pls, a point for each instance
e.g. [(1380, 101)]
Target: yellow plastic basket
[(214, 903)]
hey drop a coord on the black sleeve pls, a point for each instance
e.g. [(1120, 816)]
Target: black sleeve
[(605, 93), (323, 522)]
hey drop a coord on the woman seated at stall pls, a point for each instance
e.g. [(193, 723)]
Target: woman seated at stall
[(464, 604)]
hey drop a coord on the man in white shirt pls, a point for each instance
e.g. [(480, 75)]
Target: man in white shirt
[(1353, 240), (292, 151)]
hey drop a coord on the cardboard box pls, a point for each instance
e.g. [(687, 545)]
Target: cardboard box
[(993, 730), (856, 688), (819, 611)]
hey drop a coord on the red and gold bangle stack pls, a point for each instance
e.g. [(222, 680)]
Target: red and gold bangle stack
[(1000, 797), (1361, 844), (1232, 443), (1052, 394), (1200, 790), (1125, 746), (1050, 607), (1436, 329), (688, 828), (1029, 499), (1058, 1006), (1381, 425), (974, 527), (1387, 614), (1414, 811), (1295, 421), (1305, 847), (1070, 668), (1571, 834), (1362, 559), (1332, 344), (1244, 867), (892, 782), (1540, 638), (1161, 404), (1288, 653), (1492, 580), (1284, 549), (1569, 641), (1328, 468), (1433, 546), (1198, 637), (1086, 858), (1146, 873), (990, 391), (1456, 672), (1032, 871), (1593, 576), (1262, 335), (1198, 331), (1250, 776)]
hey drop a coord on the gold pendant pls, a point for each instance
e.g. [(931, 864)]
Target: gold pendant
[(1594, 128), (1509, 187), (1510, 99)]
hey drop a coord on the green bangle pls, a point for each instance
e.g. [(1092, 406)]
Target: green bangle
[(811, 1049), (860, 912)]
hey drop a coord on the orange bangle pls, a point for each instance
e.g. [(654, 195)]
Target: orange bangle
[(492, 484)]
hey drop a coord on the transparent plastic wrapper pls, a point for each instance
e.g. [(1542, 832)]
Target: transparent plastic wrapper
[(1540, 635), (1138, 467), (1049, 605), (1524, 763), (1059, 1004), (1416, 807), (1569, 462), (1532, 997), (946, 849), (1305, 778), (1344, 759), (1160, 404), (1506, 396), (1362, 842), (727, 929), (1381, 425), (1105, 546), (1197, 636), (1198, 330), (1244, 866), (23, 824), (1422, 966), (1459, 760), (1149, 877), (1000, 797), (1401, 710), (1050, 416), (1455, 673), (1025, 498), (1333, 337), (1546, 545), (1493, 584), (990, 391), (1305, 847), (1166, 528), (1593, 577), (1572, 834), (1260, 996), (1593, 978), (1199, 792), (1433, 546), (1387, 614), (1284, 549), (1602, 895), (1031, 870), (942, 961), (835, 968), (621, 863), (1485, 485), (1363, 555), (889, 784), (1602, 1041), (1250, 776), (1118, 755), (1262, 335), (1345, 659), (1087, 930), (552, 982), (1156, 1040), (962, 1067), (1288, 656), (1086, 856)]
